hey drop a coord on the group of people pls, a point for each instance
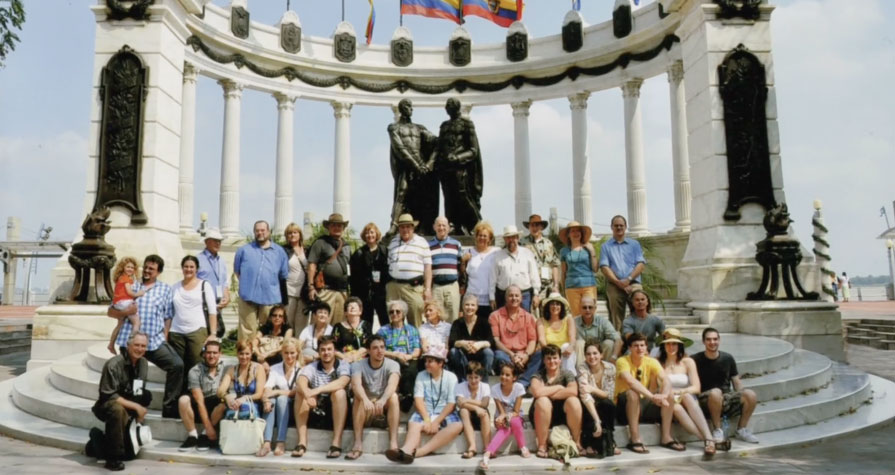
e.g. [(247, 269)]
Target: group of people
[(448, 318)]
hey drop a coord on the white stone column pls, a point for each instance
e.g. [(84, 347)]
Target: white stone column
[(282, 214), (342, 165), (680, 155), (187, 147), (634, 168), (229, 204), (523, 160), (580, 162)]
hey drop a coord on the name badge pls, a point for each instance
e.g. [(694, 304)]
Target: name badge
[(138, 387), (375, 275), (546, 273)]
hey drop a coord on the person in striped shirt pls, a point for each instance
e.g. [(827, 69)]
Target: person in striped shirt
[(446, 254), (410, 269)]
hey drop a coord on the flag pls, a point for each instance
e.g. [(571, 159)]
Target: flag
[(882, 211), (637, 2), (576, 5), (446, 9), (371, 21), (502, 12)]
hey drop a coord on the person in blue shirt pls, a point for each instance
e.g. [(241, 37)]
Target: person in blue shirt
[(260, 266), (213, 269), (622, 262)]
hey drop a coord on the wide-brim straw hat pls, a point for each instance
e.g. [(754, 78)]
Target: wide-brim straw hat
[(406, 218), (535, 219), (213, 233), (673, 335), (586, 232), (553, 297), (511, 230), (335, 218)]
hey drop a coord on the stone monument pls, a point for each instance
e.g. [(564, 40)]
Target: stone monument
[(412, 163), (459, 168)]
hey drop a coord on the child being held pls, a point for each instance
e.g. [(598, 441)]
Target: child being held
[(124, 277)]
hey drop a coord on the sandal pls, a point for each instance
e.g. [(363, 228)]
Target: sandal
[(334, 452), (524, 452), (483, 465), (709, 447), (674, 445), (299, 451), (469, 454), (542, 453), (280, 449), (637, 447), (263, 451), (354, 454)]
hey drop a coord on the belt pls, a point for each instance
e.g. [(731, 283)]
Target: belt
[(445, 283), (414, 282), (523, 290)]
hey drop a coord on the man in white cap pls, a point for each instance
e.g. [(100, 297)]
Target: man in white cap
[(410, 269), (515, 265), (213, 269), (328, 267)]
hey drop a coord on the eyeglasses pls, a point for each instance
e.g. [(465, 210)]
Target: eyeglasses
[(393, 311), (587, 307)]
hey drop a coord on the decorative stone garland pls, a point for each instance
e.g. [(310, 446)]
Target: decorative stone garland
[(821, 250)]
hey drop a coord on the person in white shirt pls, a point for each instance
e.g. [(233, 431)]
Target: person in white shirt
[(473, 399), (477, 263), (189, 331), (515, 265), (410, 269)]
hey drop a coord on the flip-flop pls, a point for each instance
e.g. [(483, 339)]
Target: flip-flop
[(469, 454), (354, 454), (299, 451), (279, 450), (674, 445), (709, 448), (542, 453), (637, 447), (334, 452), (263, 451)]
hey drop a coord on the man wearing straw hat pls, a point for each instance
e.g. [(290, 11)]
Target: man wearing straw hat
[(515, 265), (410, 269), (545, 256), (622, 262), (330, 256)]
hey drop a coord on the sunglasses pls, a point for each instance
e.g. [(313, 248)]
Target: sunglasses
[(393, 312), (639, 373)]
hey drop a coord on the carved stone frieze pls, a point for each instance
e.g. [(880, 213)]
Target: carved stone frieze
[(239, 22)]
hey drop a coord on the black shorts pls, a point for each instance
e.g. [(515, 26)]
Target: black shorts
[(558, 413), (649, 412), (211, 402), (321, 417)]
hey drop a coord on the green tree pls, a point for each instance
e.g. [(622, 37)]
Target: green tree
[(12, 16)]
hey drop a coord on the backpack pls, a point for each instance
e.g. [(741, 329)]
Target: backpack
[(560, 444)]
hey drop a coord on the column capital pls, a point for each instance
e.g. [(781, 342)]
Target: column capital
[(520, 109), (342, 110), (632, 88), (578, 101), (232, 89), (285, 101), (190, 72), (676, 72)]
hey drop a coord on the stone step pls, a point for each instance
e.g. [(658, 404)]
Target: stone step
[(72, 375), (808, 372), (677, 320), (886, 345), (14, 346), (864, 340), (15, 335), (14, 327), (17, 423)]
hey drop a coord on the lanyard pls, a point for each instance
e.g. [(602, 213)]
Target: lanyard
[(440, 387)]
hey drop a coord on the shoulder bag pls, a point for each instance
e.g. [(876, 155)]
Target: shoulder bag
[(242, 436), (319, 281), (221, 330)]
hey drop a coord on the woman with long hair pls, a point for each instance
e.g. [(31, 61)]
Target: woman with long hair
[(579, 264), (269, 338), (369, 274), (279, 395), (558, 328), (681, 371), (294, 289), (352, 334), (243, 384), (189, 329), (596, 389)]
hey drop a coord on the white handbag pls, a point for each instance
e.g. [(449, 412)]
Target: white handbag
[(242, 436)]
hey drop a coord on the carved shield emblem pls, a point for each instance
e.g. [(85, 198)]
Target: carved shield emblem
[(290, 37), (239, 22), (573, 36), (344, 47), (517, 47), (402, 52), (460, 51), (495, 5)]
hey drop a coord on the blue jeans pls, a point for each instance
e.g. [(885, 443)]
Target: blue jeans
[(534, 364), (279, 414), (458, 359)]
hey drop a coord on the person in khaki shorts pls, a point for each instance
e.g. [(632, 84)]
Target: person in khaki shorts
[(260, 266), (374, 382), (410, 269)]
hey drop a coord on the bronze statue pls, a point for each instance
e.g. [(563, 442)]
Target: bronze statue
[(93, 253), (779, 256), (412, 159), (459, 168)]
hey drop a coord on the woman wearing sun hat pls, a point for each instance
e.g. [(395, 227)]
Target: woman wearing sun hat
[(579, 264), (556, 327), (681, 371)]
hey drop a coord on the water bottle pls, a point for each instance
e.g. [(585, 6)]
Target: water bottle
[(725, 425)]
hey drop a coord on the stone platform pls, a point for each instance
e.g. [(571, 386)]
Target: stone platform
[(805, 397)]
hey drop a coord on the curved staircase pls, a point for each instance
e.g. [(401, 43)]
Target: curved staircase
[(804, 397)]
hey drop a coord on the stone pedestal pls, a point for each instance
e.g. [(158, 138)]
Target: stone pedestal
[(63, 330)]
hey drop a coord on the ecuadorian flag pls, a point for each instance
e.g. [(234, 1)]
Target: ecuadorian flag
[(502, 12), (447, 9)]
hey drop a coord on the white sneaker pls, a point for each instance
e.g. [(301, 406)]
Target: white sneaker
[(718, 435), (746, 435)]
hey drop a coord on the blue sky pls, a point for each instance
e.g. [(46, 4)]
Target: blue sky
[(834, 65)]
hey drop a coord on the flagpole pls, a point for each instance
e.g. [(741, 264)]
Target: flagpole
[(461, 12), (343, 10), (400, 12)]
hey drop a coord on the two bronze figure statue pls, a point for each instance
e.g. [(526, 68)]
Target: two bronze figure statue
[(420, 161)]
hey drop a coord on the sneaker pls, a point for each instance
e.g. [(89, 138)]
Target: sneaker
[(746, 435), (214, 444), (204, 444), (114, 465), (718, 435), (189, 444)]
